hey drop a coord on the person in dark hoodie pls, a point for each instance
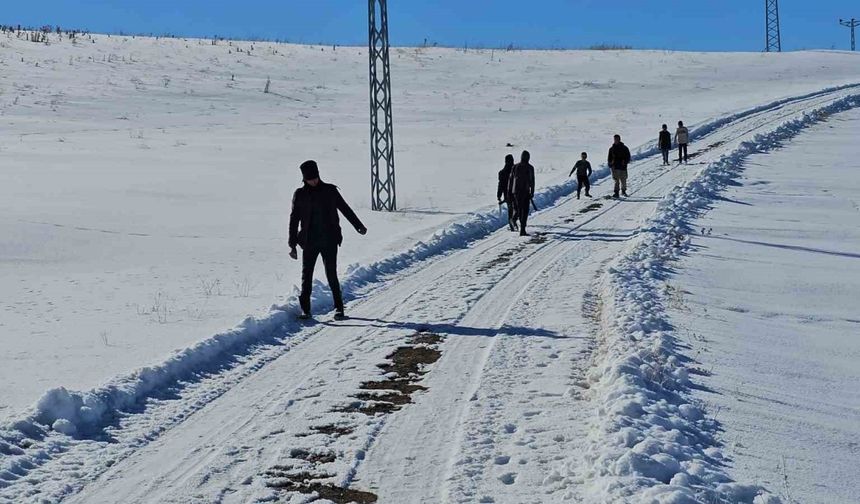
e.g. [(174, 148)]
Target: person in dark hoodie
[(502, 193), (618, 159), (521, 186), (665, 144), (583, 172), (315, 227)]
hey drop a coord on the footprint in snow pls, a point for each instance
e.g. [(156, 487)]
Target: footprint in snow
[(508, 478), (510, 428), (502, 460)]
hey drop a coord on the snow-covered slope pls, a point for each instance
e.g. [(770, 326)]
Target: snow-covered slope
[(767, 301), (145, 211), (145, 182)]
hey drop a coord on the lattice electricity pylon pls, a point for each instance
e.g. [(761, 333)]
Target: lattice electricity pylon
[(853, 23), (381, 122), (772, 39)]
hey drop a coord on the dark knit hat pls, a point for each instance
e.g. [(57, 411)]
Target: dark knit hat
[(309, 170), (509, 159), (525, 157)]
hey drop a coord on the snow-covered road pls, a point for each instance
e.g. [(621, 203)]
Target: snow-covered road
[(506, 411)]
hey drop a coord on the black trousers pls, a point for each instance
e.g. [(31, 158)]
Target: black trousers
[(523, 208), (582, 182), (682, 152), (309, 261), (665, 155), (512, 211)]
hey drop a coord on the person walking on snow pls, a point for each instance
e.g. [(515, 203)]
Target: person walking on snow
[(665, 144), (583, 172), (682, 138), (502, 193), (618, 159), (315, 227), (521, 185)]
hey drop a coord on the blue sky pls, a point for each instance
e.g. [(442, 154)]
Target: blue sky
[(708, 25)]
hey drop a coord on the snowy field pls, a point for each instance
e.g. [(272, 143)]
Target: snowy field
[(143, 205), (781, 341), (145, 193)]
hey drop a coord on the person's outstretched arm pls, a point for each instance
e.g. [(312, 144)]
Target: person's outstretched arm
[(295, 217), (589, 169), (349, 214), (532, 182)]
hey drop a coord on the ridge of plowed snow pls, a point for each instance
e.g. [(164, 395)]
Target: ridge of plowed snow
[(652, 441)]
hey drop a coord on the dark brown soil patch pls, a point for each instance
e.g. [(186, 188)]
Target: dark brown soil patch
[(304, 483), (402, 386), (407, 361), (425, 338), (331, 430), (304, 477), (369, 409), (314, 458), (407, 364), (393, 397), (326, 492)]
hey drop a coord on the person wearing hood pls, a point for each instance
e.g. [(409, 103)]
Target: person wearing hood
[(502, 193), (315, 227), (665, 143), (521, 186), (618, 159)]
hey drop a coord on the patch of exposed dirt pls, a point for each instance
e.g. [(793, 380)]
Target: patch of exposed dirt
[(305, 483), (313, 458), (402, 386), (407, 365), (331, 430), (404, 368)]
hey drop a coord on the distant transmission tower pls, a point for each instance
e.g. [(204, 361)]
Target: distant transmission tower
[(772, 38), (381, 122), (851, 24)]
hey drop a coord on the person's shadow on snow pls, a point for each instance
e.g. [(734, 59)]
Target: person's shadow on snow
[(454, 329)]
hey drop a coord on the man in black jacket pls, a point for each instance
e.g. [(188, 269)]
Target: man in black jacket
[(583, 172), (315, 226), (665, 144), (502, 193), (619, 158), (521, 185)]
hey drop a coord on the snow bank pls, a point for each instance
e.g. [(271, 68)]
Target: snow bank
[(86, 413), (652, 440)]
